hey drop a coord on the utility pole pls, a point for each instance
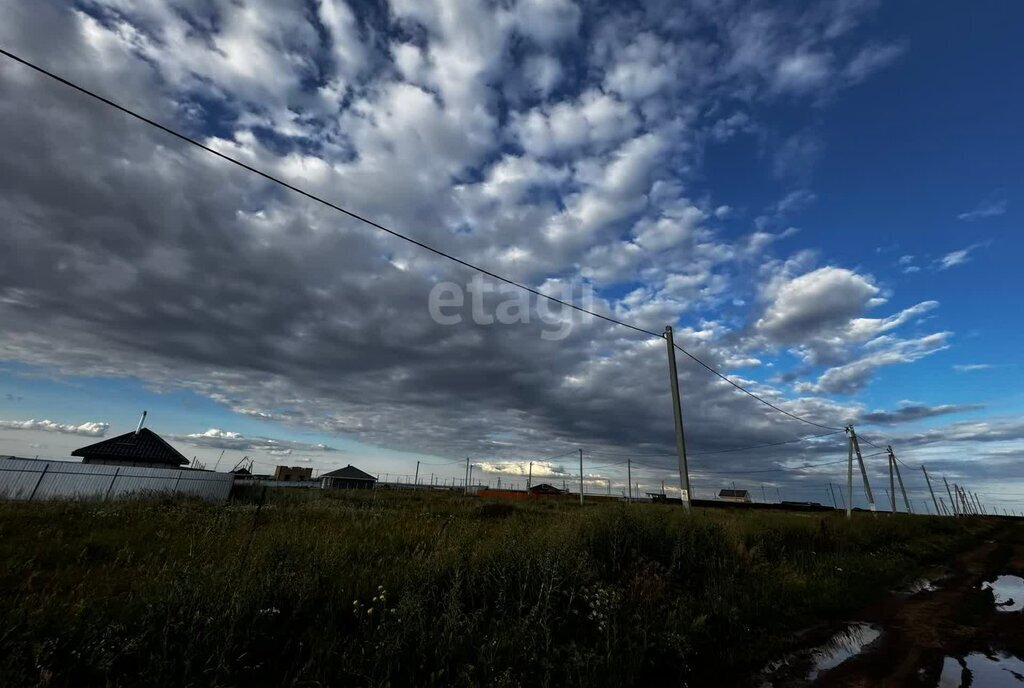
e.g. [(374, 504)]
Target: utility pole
[(581, 476), (930, 490), (833, 493), (529, 479), (952, 502), (863, 470), (764, 495), (849, 474), (981, 507), (677, 416), (663, 488), (467, 475), (892, 483), (416, 480), (629, 479), (899, 477), (470, 478)]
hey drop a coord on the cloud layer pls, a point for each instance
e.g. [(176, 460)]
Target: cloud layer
[(558, 146), (90, 429)]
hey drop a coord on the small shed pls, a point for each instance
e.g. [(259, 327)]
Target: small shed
[(347, 478), (140, 448), (734, 496)]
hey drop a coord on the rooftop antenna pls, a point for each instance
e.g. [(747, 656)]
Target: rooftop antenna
[(141, 421)]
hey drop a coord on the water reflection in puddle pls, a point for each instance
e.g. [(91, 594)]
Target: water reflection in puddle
[(842, 646), (806, 666), (1008, 591), (920, 585), (979, 670)]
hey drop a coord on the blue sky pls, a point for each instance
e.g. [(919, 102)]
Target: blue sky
[(822, 198)]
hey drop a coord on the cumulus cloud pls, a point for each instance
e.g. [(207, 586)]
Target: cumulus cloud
[(884, 351), (89, 429)]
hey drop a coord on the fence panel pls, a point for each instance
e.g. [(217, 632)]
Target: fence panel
[(33, 479)]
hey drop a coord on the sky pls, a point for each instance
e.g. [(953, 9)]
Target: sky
[(821, 198)]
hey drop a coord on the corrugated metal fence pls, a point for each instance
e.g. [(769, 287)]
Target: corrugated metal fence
[(32, 479)]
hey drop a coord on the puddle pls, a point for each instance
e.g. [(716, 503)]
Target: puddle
[(1008, 591), (803, 668), (920, 585), (979, 670)]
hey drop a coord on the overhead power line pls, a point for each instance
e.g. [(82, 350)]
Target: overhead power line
[(376, 225)]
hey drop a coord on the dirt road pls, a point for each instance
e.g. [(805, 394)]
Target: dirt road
[(952, 632)]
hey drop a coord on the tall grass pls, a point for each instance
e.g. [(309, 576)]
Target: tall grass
[(402, 589)]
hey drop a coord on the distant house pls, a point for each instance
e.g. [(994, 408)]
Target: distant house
[(140, 448), (293, 474), (734, 495), (545, 489), (347, 478)]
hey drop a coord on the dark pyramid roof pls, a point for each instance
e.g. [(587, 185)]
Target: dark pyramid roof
[(350, 472), (544, 488), (144, 446), (733, 493)]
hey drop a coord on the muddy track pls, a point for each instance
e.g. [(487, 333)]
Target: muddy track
[(921, 630)]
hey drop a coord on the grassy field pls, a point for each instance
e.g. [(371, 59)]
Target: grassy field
[(417, 589)]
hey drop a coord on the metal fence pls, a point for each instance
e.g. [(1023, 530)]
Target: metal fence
[(34, 479)]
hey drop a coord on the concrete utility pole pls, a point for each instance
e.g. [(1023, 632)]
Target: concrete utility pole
[(899, 478), (529, 479), (892, 483), (467, 475), (849, 474), (930, 490), (677, 415), (629, 479), (470, 478), (863, 470), (952, 502), (416, 480), (832, 492), (981, 507), (581, 477), (764, 494)]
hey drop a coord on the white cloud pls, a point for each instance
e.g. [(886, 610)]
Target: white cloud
[(873, 58), (885, 351), (959, 257), (90, 429), (990, 208), (971, 367), (224, 439)]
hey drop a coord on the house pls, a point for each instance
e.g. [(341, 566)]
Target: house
[(545, 489), (348, 478), (292, 474), (140, 448), (734, 496)]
